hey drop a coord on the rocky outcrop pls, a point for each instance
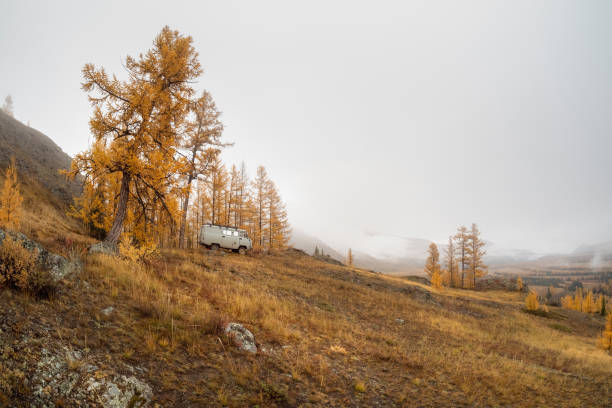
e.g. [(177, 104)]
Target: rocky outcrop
[(57, 266), (241, 337)]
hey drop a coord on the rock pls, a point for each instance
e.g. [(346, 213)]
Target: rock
[(57, 266), (108, 311), (80, 385), (399, 321), (241, 337), (120, 392)]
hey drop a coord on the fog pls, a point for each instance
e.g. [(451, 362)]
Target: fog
[(378, 121)]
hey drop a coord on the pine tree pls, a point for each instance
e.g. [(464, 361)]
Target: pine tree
[(451, 263), (10, 199), (605, 340), (462, 243), (432, 264), (349, 258), (316, 251), (602, 309)]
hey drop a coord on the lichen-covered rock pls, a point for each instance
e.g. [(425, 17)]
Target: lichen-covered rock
[(120, 391), (241, 337), (64, 375), (57, 266)]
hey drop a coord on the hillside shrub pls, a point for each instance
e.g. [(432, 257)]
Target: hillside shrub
[(19, 269), (531, 302)]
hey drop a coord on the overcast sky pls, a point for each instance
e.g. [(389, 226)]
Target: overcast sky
[(379, 118)]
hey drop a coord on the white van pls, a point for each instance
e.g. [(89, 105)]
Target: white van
[(218, 236)]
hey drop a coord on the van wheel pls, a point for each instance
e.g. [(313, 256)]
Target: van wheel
[(214, 247), (242, 250)]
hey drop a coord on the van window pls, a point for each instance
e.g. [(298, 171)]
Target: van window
[(235, 233)]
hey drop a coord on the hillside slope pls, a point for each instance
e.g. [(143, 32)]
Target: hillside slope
[(326, 335), (37, 157)]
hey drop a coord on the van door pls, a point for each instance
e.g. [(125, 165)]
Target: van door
[(229, 239)]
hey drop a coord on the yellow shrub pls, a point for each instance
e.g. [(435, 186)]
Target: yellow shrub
[(145, 252), (16, 264), (531, 301)]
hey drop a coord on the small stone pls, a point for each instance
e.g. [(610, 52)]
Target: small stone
[(108, 311), (399, 321), (241, 337)]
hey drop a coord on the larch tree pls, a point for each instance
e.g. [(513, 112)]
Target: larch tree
[(242, 197), (462, 238), (432, 264), (202, 145), (277, 228), (436, 279), (349, 257), (217, 184), (519, 284), (451, 262), (10, 199), (7, 107), (137, 124), (605, 341), (531, 301), (261, 186), (475, 253)]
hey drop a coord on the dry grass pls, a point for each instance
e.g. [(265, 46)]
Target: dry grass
[(328, 336)]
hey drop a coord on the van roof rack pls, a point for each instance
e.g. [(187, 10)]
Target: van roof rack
[(224, 226)]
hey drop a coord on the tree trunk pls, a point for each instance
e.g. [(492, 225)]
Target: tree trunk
[(184, 215), (113, 235)]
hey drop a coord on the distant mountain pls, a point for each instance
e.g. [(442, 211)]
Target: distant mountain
[(37, 157), (307, 243)]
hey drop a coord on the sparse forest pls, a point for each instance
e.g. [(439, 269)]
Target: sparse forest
[(154, 174), (463, 261)]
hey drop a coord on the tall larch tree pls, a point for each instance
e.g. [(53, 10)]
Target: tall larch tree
[(432, 264), (605, 340), (202, 145), (137, 123), (451, 262), (349, 257), (475, 253), (278, 225), (217, 184), (10, 199), (261, 187), (461, 244)]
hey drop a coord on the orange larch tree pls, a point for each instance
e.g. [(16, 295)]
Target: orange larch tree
[(138, 123)]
